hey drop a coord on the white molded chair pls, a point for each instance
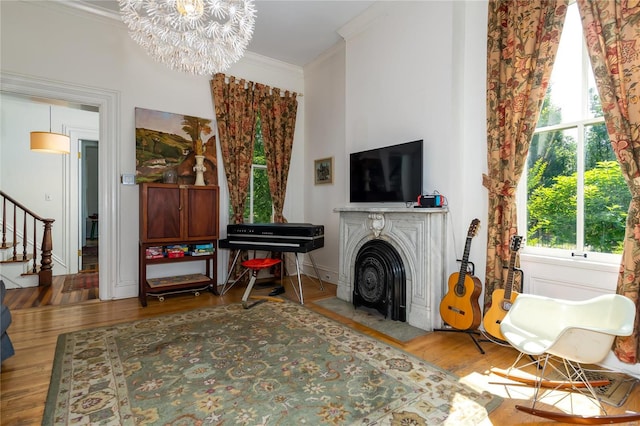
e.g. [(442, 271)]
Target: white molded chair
[(571, 332)]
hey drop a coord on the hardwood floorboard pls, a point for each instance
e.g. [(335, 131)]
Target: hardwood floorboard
[(41, 315)]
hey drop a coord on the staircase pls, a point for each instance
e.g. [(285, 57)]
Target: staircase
[(20, 265)]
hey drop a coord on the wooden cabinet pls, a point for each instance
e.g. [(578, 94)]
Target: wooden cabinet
[(171, 215), (178, 212)]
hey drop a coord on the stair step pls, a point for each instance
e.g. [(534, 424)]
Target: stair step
[(6, 245), (19, 259)]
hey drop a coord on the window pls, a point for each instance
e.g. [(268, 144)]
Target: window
[(576, 198), (258, 207)]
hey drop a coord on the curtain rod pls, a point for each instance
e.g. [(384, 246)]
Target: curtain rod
[(226, 79)]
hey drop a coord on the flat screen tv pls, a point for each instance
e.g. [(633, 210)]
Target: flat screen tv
[(387, 174)]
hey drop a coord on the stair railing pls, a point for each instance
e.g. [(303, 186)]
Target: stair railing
[(45, 274)]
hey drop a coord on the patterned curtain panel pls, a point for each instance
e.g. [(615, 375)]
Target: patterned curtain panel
[(522, 42), (278, 114), (612, 30), (236, 112)]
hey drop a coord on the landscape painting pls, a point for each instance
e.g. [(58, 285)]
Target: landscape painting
[(166, 146)]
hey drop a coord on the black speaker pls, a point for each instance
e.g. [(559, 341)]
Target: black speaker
[(430, 201)]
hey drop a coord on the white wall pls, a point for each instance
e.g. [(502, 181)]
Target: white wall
[(325, 137), (412, 70), (51, 41)]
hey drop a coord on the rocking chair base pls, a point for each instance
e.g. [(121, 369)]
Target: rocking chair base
[(544, 383), (583, 420)]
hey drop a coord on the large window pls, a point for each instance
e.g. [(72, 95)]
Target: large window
[(258, 207), (576, 197)]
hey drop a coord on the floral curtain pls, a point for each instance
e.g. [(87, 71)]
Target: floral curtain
[(612, 31), (522, 42), (236, 109), (278, 114)]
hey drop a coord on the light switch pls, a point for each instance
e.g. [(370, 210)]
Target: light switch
[(128, 179)]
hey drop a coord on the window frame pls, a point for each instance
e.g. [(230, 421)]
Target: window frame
[(579, 254)]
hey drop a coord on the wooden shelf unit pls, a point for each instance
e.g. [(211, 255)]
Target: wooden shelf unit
[(177, 214)]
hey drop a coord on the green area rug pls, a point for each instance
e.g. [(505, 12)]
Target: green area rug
[(274, 364)]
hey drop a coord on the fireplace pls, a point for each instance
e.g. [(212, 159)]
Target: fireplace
[(392, 259), (380, 280)]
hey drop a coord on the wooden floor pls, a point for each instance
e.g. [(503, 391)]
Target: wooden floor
[(24, 379), (34, 297)]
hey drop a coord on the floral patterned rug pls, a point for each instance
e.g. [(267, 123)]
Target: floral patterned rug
[(274, 364)]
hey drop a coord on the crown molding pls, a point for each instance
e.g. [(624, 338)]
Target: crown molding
[(365, 19), (265, 60)]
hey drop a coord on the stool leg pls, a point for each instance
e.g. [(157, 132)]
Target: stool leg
[(245, 296)]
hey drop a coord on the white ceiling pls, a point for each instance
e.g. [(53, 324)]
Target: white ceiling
[(293, 31)]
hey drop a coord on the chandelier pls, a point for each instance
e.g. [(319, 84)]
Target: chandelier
[(195, 36)]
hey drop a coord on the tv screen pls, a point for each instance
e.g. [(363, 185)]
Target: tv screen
[(388, 174)]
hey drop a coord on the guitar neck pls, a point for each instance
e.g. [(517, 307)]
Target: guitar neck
[(509, 284), (465, 261)]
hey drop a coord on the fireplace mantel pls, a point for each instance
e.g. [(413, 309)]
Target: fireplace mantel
[(419, 236)]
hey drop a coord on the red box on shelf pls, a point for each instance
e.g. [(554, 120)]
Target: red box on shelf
[(173, 253), (154, 253)]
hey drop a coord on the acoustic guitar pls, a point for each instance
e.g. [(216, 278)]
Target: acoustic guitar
[(502, 299), (459, 308)]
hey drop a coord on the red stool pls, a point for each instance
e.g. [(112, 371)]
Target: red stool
[(255, 265)]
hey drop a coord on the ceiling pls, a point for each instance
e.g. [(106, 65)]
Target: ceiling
[(295, 32)]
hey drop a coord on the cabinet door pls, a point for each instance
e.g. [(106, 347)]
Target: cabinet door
[(202, 213), (160, 215)]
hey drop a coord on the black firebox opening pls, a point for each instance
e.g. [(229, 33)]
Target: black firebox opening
[(380, 280)]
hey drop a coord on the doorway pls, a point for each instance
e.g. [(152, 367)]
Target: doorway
[(88, 203), (106, 102)]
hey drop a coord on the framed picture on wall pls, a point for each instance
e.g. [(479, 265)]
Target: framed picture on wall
[(323, 170), (167, 145)]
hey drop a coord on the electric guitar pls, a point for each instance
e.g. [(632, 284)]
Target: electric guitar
[(502, 299), (459, 308)]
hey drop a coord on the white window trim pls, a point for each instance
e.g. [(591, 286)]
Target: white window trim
[(251, 186)]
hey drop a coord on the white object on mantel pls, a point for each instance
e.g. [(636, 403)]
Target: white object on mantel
[(419, 237), (199, 168)]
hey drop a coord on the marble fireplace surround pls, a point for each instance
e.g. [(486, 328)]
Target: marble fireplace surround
[(419, 236)]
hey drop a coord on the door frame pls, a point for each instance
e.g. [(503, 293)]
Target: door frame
[(80, 139), (108, 104)]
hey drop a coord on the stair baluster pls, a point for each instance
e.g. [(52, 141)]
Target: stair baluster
[(45, 272), (4, 223), (24, 235)]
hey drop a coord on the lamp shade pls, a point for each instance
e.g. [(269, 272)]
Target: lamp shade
[(50, 142)]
